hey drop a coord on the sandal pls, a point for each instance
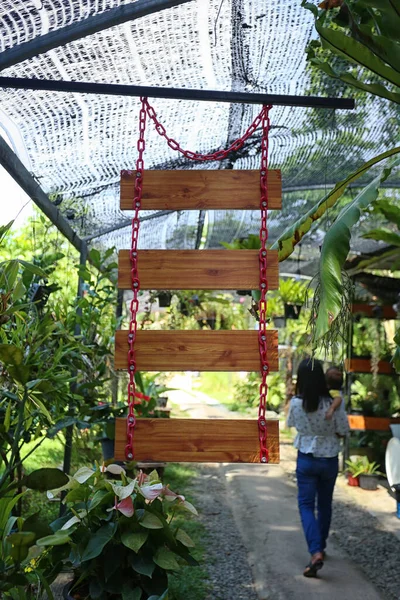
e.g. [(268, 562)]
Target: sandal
[(313, 567)]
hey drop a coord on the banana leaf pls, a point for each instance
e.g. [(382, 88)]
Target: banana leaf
[(286, 243), (383, 235), (335, 249)]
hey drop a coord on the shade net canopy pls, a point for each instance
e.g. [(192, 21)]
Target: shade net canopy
[(75, 145)]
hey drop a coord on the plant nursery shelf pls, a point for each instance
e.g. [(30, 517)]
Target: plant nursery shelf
[(363, 365), (360, 423), (201, 190), (198, 269), (180, 350), (197, 440), (374, 311)]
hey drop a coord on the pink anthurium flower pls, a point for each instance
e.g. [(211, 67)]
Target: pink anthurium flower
[(171, 496), (151, 492), (125, 507)]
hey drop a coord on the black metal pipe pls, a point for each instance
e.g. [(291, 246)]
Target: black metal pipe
[(89, 26), (174, 93)]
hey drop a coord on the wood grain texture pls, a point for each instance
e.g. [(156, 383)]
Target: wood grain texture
[(363, 365), (361, 423), (374, 311), (197, 440), (198, 269), (201, 189), (196, 350)]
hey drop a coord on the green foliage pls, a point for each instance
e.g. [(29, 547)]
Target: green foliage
[(362, 466), (120, 534)]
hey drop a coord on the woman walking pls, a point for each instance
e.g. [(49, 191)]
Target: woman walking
[(317, 442)]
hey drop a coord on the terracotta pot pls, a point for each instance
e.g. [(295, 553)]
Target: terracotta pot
[(353, 481)]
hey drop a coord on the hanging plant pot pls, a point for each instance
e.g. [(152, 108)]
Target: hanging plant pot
[(353, 481), (292, 311), (243, 292), (211, 323), (368, 482), (164, 299), (107, 448)]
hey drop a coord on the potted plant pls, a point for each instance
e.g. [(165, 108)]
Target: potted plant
[(368, 474), (164, 298), (293, 294), (118, 536), (353, 469)]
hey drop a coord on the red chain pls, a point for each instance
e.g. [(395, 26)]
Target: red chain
[(263, 119), (262, 333), (219, 154), (137, 202)]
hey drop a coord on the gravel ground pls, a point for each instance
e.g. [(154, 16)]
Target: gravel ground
[(227, 561)]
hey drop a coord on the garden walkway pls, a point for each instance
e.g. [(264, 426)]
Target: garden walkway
[(264, 505)]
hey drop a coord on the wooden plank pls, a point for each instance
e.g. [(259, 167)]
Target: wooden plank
[(363, 365), (197, 440), (201, 189), (198, 269), (196, 350), (374, 311), (361, 423)]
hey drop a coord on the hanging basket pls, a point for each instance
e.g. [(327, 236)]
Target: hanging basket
[(164, 299), (292, 311)]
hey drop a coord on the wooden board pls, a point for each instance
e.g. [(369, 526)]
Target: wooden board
[(197, 440), (196, 350), (372, 310), (201, 189), (363, 365), (198, 269), (361, 423)]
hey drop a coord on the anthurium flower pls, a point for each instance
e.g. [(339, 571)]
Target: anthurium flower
[(171, 496), (142, 477), (122, 491), (151, 492), (125, 506), (75, 519), (113, 469)]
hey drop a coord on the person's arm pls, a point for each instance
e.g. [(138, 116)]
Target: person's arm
[(290, 417), (336, 402), (341, 421)]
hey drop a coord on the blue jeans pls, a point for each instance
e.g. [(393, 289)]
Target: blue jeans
[(316, 479)]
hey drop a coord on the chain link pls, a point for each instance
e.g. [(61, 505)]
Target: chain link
[(262, 332), (135, 283), (263, 119)]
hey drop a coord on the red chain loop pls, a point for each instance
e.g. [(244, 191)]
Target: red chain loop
[(135, 283), (262, 333), (263, 119), (219, 154)]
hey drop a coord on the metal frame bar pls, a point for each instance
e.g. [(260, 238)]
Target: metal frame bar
[(89, 26), (174, 93), (12, 164)]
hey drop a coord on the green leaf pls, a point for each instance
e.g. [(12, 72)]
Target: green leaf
[(20, 542), (150, 521), (383, 235), (7, 417), (131, 594), (83, 474), (11, 355), (184, 539), (19, 291), (38, 527), (134, 541), (8, 275), (32, 268), (142, 564), (98, 541), (335, 249), (287, 242), (60, 425), (56, 539), (389, 210), (165, 559), (45, 479)]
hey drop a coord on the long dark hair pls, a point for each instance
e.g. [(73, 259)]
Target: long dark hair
[(311, 385)]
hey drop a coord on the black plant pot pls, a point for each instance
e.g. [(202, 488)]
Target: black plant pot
[(244, 292), (368, 482), (292, 311), (164, 299), (107, 447)]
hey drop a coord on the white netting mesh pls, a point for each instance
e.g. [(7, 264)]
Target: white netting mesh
[(77, 144)]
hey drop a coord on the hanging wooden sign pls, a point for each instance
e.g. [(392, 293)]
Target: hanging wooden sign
[(201, 190), (198, 440), (198, 269)]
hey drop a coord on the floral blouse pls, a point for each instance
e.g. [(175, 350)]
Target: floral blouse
[(315, 434)]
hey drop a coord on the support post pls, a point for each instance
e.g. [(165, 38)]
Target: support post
[(115, 378), (77, 331)]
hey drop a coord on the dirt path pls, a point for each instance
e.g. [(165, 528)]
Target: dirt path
[(264, 505)]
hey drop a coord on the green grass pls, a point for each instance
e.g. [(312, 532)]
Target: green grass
[(189, 583), (217, 385)]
